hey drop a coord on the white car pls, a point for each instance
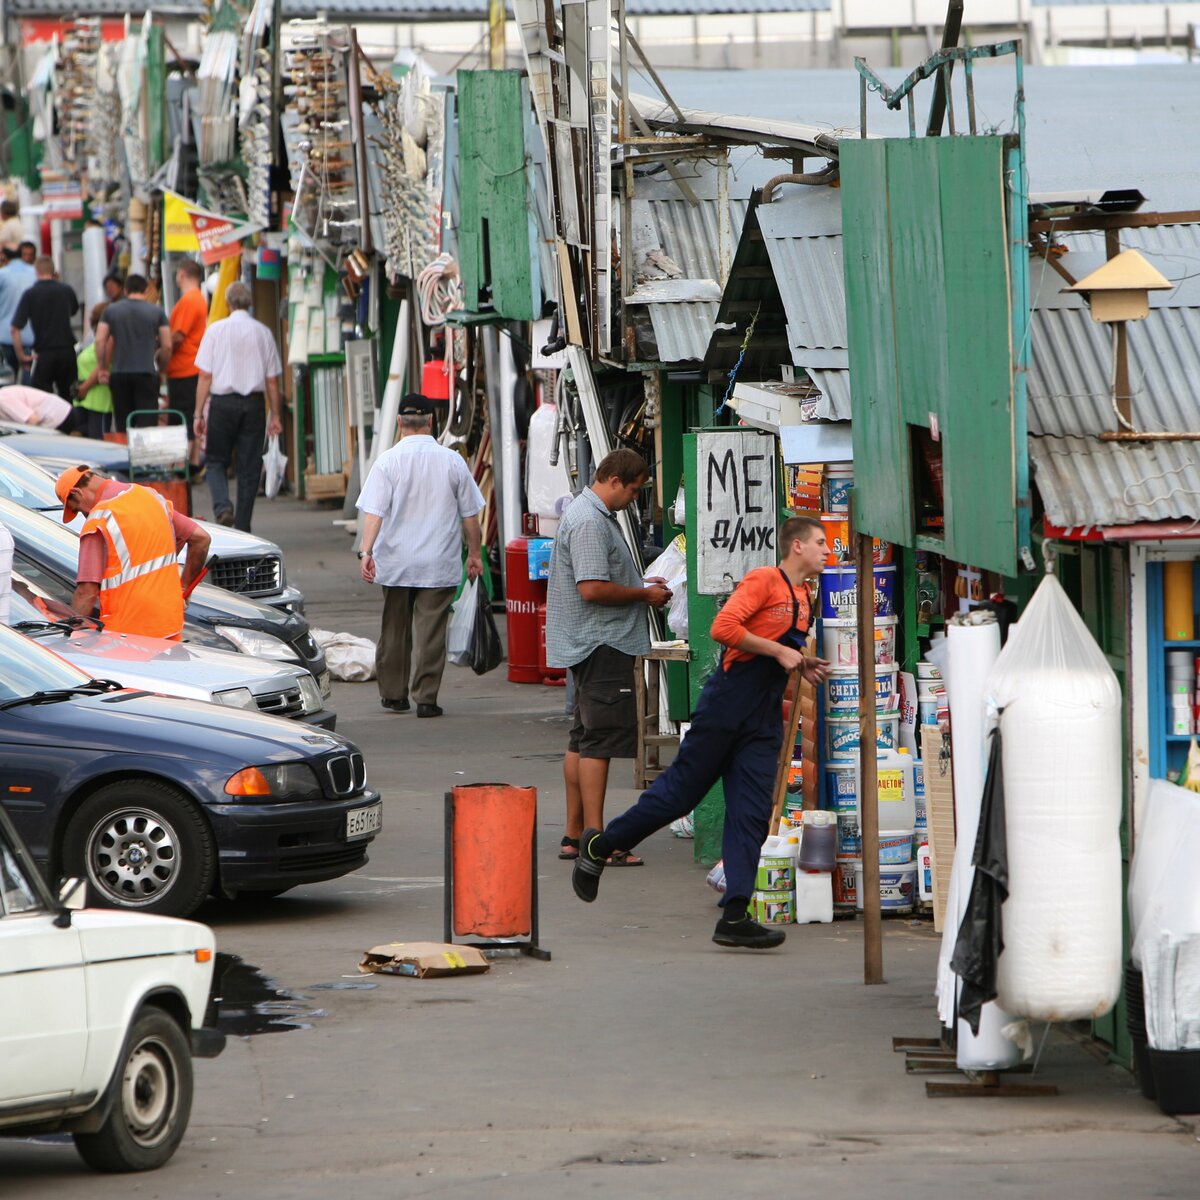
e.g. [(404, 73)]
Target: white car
[(158, 665), (102, 1014)]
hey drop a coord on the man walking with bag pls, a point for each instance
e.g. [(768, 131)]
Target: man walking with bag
[(238, 362), (417, 498)]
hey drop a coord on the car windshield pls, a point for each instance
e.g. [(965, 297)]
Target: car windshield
[(32, 604), (25, 483), (26, 667), (52, 542)]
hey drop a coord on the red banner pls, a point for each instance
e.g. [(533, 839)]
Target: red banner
[(218, 238)]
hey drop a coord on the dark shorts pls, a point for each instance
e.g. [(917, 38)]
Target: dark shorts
[(605, 706)]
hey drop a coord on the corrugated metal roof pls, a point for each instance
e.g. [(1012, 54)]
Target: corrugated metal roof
[(1084, 482), (834, 404), (681, 331)]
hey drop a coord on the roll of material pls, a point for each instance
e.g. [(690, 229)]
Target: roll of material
[(973, 651), (1179, 611), (95, 266), (1061, 719)]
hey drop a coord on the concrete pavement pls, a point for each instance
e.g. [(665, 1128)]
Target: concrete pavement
[(642, 1060)]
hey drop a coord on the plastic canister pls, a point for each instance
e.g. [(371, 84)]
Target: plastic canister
[(897, 794), (776, 867), (818, 845)]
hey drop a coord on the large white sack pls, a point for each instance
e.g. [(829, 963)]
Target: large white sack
[(348, 657), (1062, 786)]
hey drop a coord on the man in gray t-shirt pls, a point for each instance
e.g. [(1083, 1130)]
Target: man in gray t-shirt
[(133, 344), (596, 625)]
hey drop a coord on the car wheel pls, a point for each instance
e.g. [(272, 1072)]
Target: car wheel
[(141, 845), (153, 1099)]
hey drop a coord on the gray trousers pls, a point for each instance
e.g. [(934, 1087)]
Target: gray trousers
[(412, 642)]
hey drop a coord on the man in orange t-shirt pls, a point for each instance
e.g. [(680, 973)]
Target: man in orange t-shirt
[(736, 732), (189, 319)]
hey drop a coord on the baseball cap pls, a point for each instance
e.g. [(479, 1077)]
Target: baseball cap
[(67, 482), (416, 405)]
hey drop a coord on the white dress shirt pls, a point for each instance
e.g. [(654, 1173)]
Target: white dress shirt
[(32, 406), (240, 354), (421, 492)]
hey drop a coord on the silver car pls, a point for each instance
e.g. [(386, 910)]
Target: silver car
[(166, 667), (245, 563)]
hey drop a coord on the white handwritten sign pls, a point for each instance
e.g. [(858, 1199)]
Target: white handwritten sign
[(735, 507)]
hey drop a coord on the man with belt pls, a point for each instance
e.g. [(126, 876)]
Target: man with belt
[(735, 734), (237, 361), (128, 553)]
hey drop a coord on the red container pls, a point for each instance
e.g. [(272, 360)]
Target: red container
[(492, 833), (435, 380), (523, 595)]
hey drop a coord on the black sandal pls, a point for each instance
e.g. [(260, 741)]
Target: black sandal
[(569, 848)]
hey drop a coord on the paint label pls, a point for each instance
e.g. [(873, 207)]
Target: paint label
[(773, 908), (775, 874)]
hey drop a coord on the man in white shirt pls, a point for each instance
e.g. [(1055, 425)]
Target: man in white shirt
[(6, 557), (416, 497), (238, 361)]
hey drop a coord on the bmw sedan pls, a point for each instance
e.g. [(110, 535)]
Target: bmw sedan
[(221, 620), (160, 803)]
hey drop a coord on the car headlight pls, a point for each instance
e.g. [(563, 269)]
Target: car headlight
[(261, 645), (310, 694), (236, 698), (289, 781)]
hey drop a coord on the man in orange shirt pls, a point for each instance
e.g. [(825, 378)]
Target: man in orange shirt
[(736, 732), (189, 319)]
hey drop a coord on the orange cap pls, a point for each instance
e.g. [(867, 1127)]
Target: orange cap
[(68, 481)]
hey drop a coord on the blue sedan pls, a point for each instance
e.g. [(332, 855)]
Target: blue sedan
[(160, 803)]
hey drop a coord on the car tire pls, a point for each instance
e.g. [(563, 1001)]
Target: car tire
[(141, 845), (152, 1100)]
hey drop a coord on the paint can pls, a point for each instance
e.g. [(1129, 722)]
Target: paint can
[(836, 487), (773, 908), (846, 872), (839, 539), (895, 847), (839, 592), (842, 736), (897, 887), (849, 835), (839, 641), (777, 873), (841, 787), (841, 689)]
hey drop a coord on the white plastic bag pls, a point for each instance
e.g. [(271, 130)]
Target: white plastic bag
[(458, 635), (348, 657), (671, 564), (1061, 721), (275, 467)]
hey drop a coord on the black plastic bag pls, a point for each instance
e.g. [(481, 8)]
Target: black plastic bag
[(981, 934), (486, 652)]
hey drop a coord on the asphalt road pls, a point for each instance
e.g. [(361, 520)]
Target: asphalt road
[(642, 1060)]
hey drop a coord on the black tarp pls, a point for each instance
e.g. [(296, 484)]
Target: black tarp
[(980, 935)]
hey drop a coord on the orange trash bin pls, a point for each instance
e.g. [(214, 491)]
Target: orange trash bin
[(491, 865)]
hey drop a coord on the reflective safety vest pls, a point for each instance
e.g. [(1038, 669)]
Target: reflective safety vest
[(141, 590)]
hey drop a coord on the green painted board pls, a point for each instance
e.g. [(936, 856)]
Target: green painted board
[(496, 239), (930, 308)]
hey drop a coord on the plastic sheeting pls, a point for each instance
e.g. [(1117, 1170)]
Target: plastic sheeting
[(1060, 711)]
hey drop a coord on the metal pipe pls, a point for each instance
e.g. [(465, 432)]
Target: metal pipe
[(828, 175)]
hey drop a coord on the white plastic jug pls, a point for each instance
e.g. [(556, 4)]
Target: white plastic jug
[(897, 796)]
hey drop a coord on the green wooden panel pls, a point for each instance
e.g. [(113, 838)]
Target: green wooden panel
[(929, 309), (882, 495), (157, 148), (496, 245)]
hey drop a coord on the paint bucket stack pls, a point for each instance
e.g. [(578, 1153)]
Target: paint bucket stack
[(931, 694)]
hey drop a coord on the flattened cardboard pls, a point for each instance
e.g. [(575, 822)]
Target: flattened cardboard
[(424, 960)]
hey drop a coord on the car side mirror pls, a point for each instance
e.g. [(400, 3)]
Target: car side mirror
[(72, 895)]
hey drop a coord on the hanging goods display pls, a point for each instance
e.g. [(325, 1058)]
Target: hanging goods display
[(974, 646), (1060, 713)]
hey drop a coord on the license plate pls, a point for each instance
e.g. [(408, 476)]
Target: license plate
[(363, 822), (325, 684)]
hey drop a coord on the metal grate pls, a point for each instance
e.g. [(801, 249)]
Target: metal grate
[(288, 703), (261, 575), (348, 857)]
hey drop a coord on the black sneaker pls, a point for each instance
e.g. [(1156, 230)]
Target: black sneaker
[(585, 874), (429, 710), (747, 933)]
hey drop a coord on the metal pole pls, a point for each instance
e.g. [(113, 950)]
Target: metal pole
[(868, 771), (951, 32)]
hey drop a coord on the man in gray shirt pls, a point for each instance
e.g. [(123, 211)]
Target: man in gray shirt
[(133, 344), (596, 625)]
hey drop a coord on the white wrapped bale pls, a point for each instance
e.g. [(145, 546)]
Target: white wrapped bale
[(1061, 723)]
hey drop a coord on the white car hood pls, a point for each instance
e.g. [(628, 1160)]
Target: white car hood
[(158, 665), (108, 933)]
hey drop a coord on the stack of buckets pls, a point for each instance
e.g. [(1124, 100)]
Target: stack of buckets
[(931, 694), (793, 880)]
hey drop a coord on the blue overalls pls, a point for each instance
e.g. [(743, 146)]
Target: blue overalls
[(736, 732)]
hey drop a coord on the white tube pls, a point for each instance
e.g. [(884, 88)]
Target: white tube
[(384, 437), (95, 264), (973, 651), (510, 451)]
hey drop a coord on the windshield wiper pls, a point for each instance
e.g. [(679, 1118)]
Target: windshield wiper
[(63, 625), (93, 687)]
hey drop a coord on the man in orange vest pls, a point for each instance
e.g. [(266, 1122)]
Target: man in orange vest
[(128, 553)]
